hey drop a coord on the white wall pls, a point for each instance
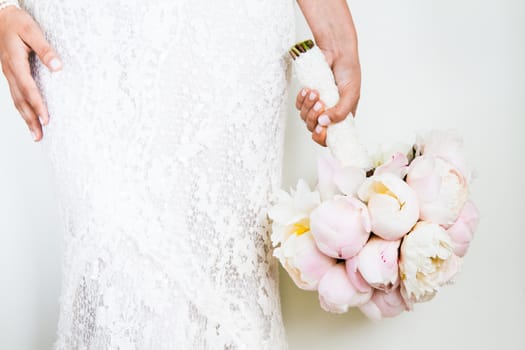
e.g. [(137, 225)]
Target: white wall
[(426, 64), (29, 241)]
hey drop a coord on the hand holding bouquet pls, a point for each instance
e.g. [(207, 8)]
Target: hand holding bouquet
[(337, 102), (379, 233)]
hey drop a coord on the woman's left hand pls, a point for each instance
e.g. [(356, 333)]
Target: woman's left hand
[(347, 73)]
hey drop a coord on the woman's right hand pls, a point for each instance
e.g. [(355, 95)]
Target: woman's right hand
[(19, 35)]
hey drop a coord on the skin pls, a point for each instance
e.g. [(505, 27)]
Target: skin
[(19, 36), (330, 21), (335, 35)]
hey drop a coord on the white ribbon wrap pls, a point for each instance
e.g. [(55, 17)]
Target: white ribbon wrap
[(312, 70)]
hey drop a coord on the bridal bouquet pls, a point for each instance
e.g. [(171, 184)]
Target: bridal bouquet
[(380, 233)]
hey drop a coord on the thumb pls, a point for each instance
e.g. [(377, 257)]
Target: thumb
[(34, 38), (347, 104)]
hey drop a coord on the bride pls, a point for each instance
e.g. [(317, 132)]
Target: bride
[(164, 124)]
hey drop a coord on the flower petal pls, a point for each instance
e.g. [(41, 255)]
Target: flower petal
[(378, 263), (336, 292), (340, 226), (397, 165), (383, 304), (348, 179), (326, 167), (355, 276), (392, 205), (301, 258)]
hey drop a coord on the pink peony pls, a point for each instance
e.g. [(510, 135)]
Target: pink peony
[(303, 261), (355, 276), (462, 231), (377, 263), (384, 304), (340, 226), (336, 292), (397, 164)]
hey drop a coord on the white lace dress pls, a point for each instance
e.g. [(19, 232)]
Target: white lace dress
[(166, 138)]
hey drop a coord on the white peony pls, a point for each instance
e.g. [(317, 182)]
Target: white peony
[(291, 212), (392, 204), (447, 145), (441, 188), (427, 262)]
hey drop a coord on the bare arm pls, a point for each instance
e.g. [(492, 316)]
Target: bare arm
[(334, 32)]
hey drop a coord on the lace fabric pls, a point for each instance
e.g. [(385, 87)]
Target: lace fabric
[(6, 3), (166, 139)]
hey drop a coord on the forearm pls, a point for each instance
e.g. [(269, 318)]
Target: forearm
[(333, 28)]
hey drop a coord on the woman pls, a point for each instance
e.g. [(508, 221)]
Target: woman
[(164, 123)]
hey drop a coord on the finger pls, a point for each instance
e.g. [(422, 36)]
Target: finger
[(32, 35), (301, 95), (32, 121), (24, 109), (30, 94), (319, 135), (30, 118), (313, 114), (346, 105), (21, 72), (33, 98), (309, 101)]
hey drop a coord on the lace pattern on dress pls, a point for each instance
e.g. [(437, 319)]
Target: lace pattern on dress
[(166, 134)]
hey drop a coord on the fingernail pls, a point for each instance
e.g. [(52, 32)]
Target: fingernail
[(312, 96), (323, 120), (55, 64), (43, 120), (318, 129), (33, 134), (317, 106), (303, 92)]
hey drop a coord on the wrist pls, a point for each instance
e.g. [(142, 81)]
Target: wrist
[(340, 53), (346, 52), (333, 28)]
